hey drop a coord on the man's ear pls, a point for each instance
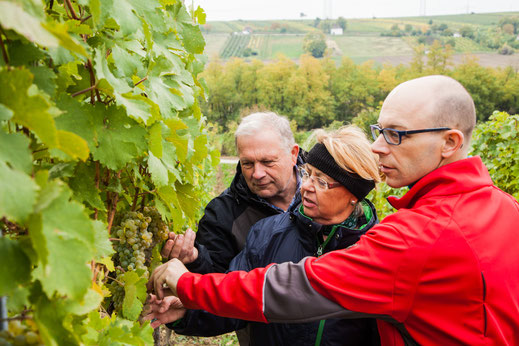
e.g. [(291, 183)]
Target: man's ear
[(454, 141), (294, 152)]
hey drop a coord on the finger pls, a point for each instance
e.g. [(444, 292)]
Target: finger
[(177, 247), (155, 324), (166, 249), (153, 281), (189, 243)]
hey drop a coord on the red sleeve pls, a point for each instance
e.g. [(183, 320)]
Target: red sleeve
[(238, 294)]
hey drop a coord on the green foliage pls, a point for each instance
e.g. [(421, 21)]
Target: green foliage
[(99, 115), (496, 142), (315, 44)]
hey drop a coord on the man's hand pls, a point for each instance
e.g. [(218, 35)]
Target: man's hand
[(165, 278), (181, 246), (163, 311)]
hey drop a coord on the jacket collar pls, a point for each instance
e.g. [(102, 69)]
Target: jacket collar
[(455, 178)]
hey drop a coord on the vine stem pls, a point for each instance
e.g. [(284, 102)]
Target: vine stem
[(97, 186), (71, 9), (84, 91), (4, 51), (142, 80), (119, 282), (113, 208)]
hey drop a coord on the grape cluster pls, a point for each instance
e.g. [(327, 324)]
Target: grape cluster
[(18, 334), (117, 291), (137, 234)]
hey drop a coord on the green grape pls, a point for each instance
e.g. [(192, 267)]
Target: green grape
[(19, 340), (31, 338)]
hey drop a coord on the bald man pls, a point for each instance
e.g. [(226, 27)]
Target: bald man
[(442, 270)]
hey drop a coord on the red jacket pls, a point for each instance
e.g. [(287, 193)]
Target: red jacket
[(442, 270)]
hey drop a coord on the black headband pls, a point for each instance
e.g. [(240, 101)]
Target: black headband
[(320, 158)]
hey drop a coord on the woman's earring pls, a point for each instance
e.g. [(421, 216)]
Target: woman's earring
[(353, 202)]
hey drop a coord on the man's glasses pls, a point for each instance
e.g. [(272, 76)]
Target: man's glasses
[(319, 183), (394, 137)]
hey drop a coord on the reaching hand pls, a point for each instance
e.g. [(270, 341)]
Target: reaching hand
[(165, 278), (163, 311), (181, 246)]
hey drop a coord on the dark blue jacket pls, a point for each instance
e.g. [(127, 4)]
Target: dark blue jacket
[(282, 238)]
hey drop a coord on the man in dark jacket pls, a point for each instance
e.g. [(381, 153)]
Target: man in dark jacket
[(266, 183)]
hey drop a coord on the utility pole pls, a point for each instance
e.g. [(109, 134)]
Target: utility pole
[(327, 10), (422, 8)]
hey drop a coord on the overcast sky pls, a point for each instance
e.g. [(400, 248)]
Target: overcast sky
[(291, 9)]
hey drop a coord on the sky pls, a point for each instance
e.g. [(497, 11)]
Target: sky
[(291, 9)]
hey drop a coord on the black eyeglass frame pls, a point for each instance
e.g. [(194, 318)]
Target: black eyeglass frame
[(401, 133)]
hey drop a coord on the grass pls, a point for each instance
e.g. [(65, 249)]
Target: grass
[(214, 44), (372, 46), (290, 46)]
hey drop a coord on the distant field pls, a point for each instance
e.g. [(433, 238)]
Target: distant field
[(372, 46), (478, 19), (214, 44), (290, 46), (362, 40)]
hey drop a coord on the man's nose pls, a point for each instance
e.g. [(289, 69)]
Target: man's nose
[(380, 146), (259, 171)]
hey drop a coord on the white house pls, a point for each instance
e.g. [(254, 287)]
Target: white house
[(336, 30)]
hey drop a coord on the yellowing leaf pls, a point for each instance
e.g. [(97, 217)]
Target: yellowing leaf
[(73, 145), (155, 140)]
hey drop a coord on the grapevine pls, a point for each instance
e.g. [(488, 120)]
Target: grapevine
[(104, 151)]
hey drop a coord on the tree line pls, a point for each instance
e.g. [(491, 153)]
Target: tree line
[(316, 92)]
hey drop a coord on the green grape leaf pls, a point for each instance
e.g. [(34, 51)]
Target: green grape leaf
[(15, 151), (169, 196), (68, 238), (188, 200), (215, 157), (30, 108), (15, 268), (139, 107), (65, 40), (5, 113), (155, 140), (49, 316), (90, 301), (44, 78), (170, 161), (107, 261), (201, 151), (84, 186), (200, 15), (129, 63), (193, 38), (134, 294), (102, 243), (18, 194), (120, 140), (23, 52), (159, 173), (18, 299), (12, 16)]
